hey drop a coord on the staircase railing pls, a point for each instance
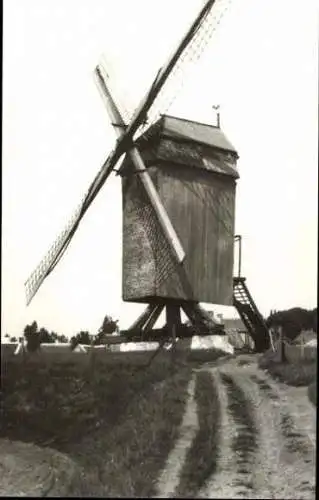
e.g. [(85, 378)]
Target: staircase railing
[(247, 308), (237, 239)]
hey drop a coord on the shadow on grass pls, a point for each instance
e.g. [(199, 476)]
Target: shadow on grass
[(118, 423), (201, 458)]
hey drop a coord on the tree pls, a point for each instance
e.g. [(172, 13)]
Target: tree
[(74, 341), (108, 327), (293, 321), (62, 338), (54, 336), (314, 320), (81, 338), (45, 336), (13, 339), (32, 337)]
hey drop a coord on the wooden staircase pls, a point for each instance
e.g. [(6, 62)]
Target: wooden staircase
[(250, 315)]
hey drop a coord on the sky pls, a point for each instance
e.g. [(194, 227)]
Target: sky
[(261, 67)]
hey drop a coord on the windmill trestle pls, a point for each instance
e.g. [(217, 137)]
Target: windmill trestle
[(201, 323)]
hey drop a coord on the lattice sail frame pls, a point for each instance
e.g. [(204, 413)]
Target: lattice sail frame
[(35, 280), (184, 66)]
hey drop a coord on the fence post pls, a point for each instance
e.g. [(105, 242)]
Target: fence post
[(302, 349), (282, 346), (271, 339)]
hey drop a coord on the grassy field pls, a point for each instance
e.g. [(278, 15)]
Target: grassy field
[(117, 422)]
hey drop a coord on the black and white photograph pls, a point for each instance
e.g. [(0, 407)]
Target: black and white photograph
[(159, 249)]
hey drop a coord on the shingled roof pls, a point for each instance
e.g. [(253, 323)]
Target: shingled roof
[(202, 133), (186, 142)]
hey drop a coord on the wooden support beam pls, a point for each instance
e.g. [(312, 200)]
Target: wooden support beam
[(173, 315), (173, 321), (190, 313), (141, 320), (200, 318), (201, 322), (153, 317)]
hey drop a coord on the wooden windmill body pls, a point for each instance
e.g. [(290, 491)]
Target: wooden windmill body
[(193, 168), (178, 186)]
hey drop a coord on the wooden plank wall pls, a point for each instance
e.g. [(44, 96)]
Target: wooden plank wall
[(201, 205)]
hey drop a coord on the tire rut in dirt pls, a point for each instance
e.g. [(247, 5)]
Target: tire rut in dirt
[(297, 446), (245, 443), (296, 452), (294, 440), (265, 388), (202, 456)]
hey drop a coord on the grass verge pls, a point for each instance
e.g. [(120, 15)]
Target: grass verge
[(312, 393), (201, 458), (295, 374), (244, 443), (119, 424)]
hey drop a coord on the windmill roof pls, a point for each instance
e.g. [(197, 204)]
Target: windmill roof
[(203, 133), (188, 143)]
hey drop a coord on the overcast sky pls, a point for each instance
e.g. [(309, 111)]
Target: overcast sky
[(261, 66)]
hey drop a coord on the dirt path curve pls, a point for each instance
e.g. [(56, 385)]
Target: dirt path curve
[(267, 443)]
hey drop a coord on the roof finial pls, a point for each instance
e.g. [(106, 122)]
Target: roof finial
[(216, 107)]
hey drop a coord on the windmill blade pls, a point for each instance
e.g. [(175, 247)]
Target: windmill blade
[(198, 29), (117, 87), (56, 251), (124, 142), (178, 75), (137, 161), (186, 63)]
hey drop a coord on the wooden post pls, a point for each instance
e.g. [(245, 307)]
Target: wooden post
[(173, 320), (282, 346), (302, 349), (271, 339), (24, 357)]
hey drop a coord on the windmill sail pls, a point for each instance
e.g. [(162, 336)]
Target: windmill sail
[(56, 251), (198, 31), (177, 77), (137, 161), (61, 243), (190, 56)]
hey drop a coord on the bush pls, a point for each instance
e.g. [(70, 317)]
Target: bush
[(293, 321), (296, 374), (32, 337)]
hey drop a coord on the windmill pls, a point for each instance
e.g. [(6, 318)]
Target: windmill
[(156, 268)]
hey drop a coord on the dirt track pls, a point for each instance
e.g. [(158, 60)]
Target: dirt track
[(243, 435), (265, 441)]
